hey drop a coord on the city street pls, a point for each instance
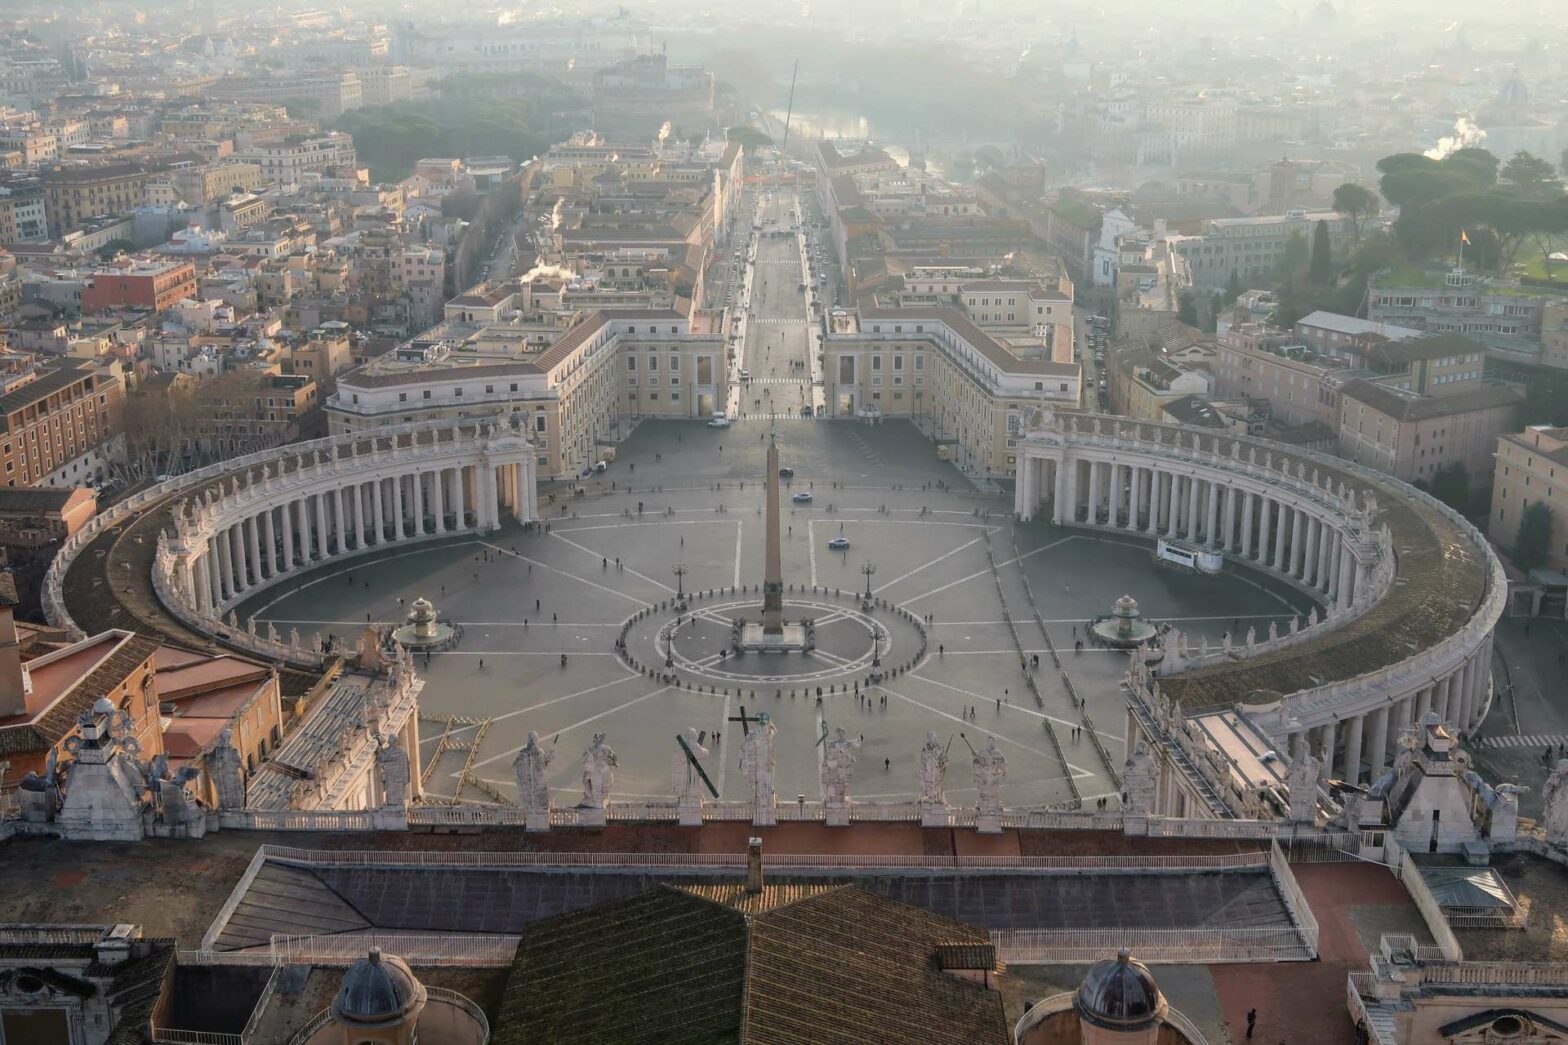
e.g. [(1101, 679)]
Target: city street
[(773, 370)]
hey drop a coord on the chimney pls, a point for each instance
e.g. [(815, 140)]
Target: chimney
[(13, 680), (754, 865)]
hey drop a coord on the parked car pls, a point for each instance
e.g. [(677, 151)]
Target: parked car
[(719, 422), (804, 497), (839, 544)]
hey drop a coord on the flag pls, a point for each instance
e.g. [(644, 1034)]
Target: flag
[(1464, 237)]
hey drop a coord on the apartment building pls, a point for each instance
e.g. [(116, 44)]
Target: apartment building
[(1506, 318), (1554, 335), (1251, 249), (1301, 384), (74, 194), (57, 425), (1347, 337), (199, 184), (35, 145), (288, 159), (936, 367), (1532, 468), (574, 384), (23, 218), (1410, 436), (139, 283)]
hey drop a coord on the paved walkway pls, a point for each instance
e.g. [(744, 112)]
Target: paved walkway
[(1303, 1003)]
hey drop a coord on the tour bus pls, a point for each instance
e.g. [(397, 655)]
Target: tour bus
[(1182, 554)]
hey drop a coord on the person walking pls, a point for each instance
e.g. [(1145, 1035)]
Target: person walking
[(1252, 1021)]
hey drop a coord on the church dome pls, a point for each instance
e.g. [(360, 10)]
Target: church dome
[(1120, 994), (1514, 92), (378, 989)]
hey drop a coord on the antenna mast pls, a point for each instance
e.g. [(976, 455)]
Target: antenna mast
[(789, 111)]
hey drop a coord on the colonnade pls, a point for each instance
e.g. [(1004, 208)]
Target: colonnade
[(1304, 517), (1296, 535)]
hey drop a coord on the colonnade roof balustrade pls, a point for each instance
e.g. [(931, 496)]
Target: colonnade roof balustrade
[(1445, 577)]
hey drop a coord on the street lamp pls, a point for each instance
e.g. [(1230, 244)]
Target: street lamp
[(680, 583), (868, 569)]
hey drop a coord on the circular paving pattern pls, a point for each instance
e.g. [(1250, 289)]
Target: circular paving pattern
[(691, 643)]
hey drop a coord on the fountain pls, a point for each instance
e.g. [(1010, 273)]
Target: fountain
[(424, 631), (1124, 628)]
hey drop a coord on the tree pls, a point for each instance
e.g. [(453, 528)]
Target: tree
[(1232, 288), (1321, 272), (114, 248), (1531, 177), (749, 137), (1451, 485), (1187, 309), (1533, 542), (1293, 259), (1356, 202)]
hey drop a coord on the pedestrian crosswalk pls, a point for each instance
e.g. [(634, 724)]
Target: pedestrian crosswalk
[(778, 320), (1529, 740), (751, 416)]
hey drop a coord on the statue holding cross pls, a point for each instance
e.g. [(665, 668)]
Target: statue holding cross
[(838, 764), (759, 762), (688, 776)]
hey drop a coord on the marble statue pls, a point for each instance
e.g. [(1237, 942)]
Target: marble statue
[(990, 767), (838, 765), (759, 762), (223, 765), (1139, 774), (530, 768), (684, 778), (599, 764), (392, 766), (177, 806), (1554, 809), (1302, 779), (933, 772)]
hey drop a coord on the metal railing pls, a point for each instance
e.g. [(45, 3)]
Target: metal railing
[(1295, 900), (323, 1018), (433, 949), (77, 935), (1431, 911), (779, 861), (1050, 946)]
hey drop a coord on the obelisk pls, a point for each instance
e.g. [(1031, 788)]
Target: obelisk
[(773, 560)]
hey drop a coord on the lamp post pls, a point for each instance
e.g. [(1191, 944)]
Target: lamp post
[(680, 583), (868, 569)]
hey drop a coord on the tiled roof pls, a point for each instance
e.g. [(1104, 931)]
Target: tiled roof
[(55, 723), (1407, 406), (836, 966)]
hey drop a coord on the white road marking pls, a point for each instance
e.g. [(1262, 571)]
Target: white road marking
[(927, 566), (1077, 771), (986, 571), (601, 557), (563, 573), (578, 725), (349, 567), (738, 526), (542, 704), (1037, 714)]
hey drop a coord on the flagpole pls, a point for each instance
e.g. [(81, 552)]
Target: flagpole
[(1461, 250)]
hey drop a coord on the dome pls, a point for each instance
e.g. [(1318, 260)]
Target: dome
[(1120, 994), (378, 989)]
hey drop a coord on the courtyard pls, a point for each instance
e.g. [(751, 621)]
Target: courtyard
[(541, 610)]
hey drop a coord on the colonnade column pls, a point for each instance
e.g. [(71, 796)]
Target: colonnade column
[(1353, 749), (269, 539), (1212, 523), (1309, 557), (1278, 562), (1115, 494), (1297, 541), (1347, 572), (237, 559), (460, 497), (1377, 751), (253, 548), (378, 516), (1193, 487), (1326, 743), (438, 493), (1246, 524), (1228, 535), (1134, 495), (1265, 527), (319, 502), (1153, 525), (419, 504)]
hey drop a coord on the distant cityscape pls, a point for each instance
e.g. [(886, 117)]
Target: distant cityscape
[(507, 511)]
